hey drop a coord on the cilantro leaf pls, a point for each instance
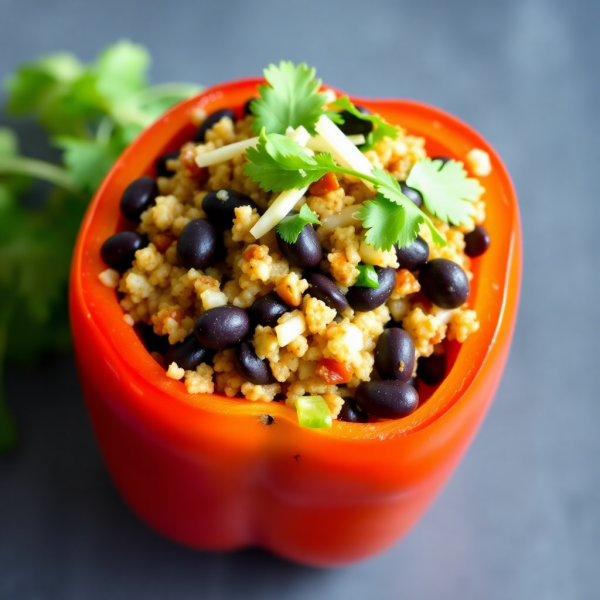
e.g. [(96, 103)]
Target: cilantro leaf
[(380, 130), (278, 163), (368, 277), (59, 91), (384, 222), (87, 161), (121, 70), (408, 225), (34, 85), (291, 227), (447, 190), (290, 99)]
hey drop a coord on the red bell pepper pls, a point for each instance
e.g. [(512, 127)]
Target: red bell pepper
[(216, 473), (334, 372)]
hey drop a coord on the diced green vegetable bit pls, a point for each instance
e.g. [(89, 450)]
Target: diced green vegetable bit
[(291, 227), (368, 277), (313, 412)]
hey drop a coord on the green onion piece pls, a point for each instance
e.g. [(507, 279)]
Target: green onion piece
[(313, 412)]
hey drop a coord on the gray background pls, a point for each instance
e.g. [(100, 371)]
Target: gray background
[(520, 519)]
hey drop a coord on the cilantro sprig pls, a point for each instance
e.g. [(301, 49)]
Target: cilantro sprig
[(447, 190), (277, 164), (290, 99), (291, 227), (91, 112), (380, 129)]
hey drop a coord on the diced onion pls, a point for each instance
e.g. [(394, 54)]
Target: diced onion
[(225, 152), (344, 218), (286, 200), (344, 151), (369, 255), (318, 144), (289, 330)]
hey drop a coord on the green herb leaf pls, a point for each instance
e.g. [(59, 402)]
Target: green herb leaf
[(278, 163), (368, 277), (291, 99), (36, 85), (94, 111), (87, 161), (313, 412), (408, 224), (447, 190), (121, 70), (291, 227), (380, 130)]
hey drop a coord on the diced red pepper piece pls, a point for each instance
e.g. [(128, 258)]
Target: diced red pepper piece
[(188, 160), (327, 183), (334, 372)]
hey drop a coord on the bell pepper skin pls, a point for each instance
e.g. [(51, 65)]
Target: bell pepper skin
[(208, 471)]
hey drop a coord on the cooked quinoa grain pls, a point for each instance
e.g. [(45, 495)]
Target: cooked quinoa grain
[(160, 292)]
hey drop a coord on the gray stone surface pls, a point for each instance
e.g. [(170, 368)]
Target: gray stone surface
[(520, 519)]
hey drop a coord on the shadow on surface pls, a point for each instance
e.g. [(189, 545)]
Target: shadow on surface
[(75, 516)]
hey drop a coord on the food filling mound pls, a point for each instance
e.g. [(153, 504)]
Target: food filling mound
[(302, 249)]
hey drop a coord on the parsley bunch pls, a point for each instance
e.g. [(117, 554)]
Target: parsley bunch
[(91, 112)]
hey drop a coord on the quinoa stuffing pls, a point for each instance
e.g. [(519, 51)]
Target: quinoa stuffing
[(334, 276)]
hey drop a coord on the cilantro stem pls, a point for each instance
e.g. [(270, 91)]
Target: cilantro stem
[(8, 429), (131, 115), (39, 169), (167, 90), (104, 131)]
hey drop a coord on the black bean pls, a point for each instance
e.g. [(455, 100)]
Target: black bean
[(210, 121), (220, 206), (414, 256), (353, 125), (188, 354), (444, 283), (151, 340), (387, 399), (432, 369), (118, 251), (162, 170), (364, 299), (414, 382), (254, 369), (222, 327), (267, 309), (198, 244), (323, 288), (477, 241), (395, 355), (351, 413), (138, 196), (413, 195), (247, 109), (306, 251)]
